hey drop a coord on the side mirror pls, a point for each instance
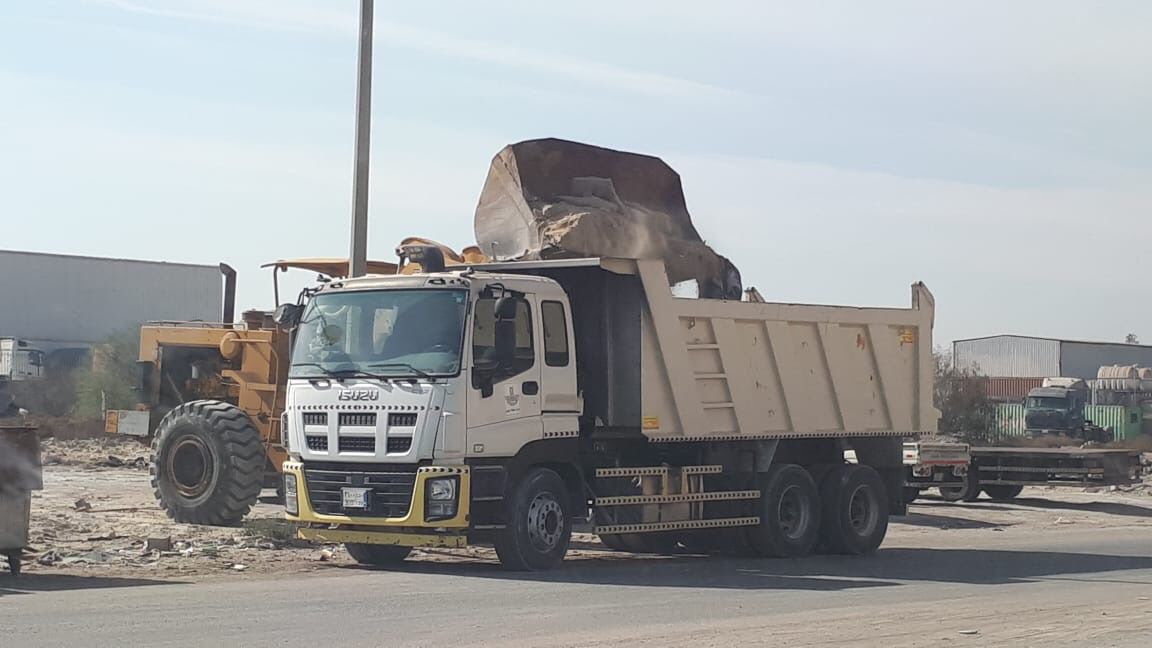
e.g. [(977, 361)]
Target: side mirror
[(287, 315)]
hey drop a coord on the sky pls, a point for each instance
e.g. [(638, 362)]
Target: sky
[(835, 151)]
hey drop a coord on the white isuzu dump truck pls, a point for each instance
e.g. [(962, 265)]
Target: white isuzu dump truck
[(502, 403)]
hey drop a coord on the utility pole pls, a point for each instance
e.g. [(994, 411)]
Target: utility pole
[(358, 255)]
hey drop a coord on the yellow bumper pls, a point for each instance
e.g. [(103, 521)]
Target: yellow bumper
[(404, 529)]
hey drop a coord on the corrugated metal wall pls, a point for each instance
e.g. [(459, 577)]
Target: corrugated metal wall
[(1126, 422), (1008, 356), (1010, 390), (1083, 360), (61, 301)]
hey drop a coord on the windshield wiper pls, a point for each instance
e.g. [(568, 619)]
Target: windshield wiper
[(340, 374), (403, 365)]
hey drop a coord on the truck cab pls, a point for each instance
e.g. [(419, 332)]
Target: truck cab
[(1056, 408)]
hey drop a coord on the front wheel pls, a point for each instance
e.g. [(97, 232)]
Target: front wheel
[(207, 463), (377, 555), (855, 505), (537, 523)]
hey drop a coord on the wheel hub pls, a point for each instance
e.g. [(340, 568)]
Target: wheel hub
[(861, 510), (545, 522), (792, 513), (190, 465)]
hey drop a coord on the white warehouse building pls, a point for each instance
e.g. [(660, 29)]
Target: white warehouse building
[(1021, 356), (61, 303)]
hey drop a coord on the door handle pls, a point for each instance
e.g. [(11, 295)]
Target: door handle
[(530, 388)]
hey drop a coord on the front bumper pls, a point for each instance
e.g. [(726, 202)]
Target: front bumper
[(411, 530)]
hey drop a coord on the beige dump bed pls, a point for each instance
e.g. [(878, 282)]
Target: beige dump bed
[(720, 369)]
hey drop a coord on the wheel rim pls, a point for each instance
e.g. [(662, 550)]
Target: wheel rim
[(190, 464), (545, 522), (862, 510), (792, 513)]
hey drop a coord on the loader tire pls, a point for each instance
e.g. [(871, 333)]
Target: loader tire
[(855, 510), (1003, 492), (207, 463), (538, 524), (377, 555)]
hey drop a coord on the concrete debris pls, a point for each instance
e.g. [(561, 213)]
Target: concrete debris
[(49, 558), (238, 567), (82, 505), (158, 544), (325, 555), (113, 461)]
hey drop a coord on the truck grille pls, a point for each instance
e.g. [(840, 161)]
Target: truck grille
[(399, 445), (391, 486), (358, 419), (317, 443), (401, 419), (357, 444), (315, 418)]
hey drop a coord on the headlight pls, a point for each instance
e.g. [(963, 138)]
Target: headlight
[(291, 498), (440, 502)]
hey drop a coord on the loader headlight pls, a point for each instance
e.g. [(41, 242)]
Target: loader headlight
[(440, 502), (291, 497)]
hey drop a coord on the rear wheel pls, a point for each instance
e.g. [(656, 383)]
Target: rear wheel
[(789, 510), (911, 494), (537, 523), (855, 510), (1003, 491), (207, 463), (374, 554)]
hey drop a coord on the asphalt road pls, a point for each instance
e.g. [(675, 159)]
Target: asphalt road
[(1059, 588)]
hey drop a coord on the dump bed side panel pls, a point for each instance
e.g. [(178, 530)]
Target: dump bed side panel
[(714, 369)]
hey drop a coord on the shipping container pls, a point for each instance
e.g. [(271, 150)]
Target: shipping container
[(1010, 390), (1009, 420), (59, 301)]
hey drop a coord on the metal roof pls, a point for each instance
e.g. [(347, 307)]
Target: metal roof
[(1051, 339)]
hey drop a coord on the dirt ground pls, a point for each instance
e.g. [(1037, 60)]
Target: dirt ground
[(97, 516)]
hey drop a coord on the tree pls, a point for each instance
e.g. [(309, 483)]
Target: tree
[(1131, 339), (110, 381), (961, 395)]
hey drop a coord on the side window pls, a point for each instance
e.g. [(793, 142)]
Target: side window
[(484, 338), (555, 334)]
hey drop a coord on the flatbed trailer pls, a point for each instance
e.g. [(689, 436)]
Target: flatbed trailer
[(1003, 472)]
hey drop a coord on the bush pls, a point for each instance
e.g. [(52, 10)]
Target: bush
[(962, 398), (110, 381)]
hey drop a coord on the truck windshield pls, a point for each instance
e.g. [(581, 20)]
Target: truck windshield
[(1047, 402), (392, 333)]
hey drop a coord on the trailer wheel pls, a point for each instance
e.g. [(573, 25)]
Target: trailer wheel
[(375, 554), (966, 493), (855, 505), (911, 494), (538, 525), (789, 510), (1003, 491), (207, 463)]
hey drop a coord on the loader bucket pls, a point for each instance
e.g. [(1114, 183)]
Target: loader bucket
[(552, 198)]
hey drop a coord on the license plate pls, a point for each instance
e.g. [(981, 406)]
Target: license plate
[(357, 498)]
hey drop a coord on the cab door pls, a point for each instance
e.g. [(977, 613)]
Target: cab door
[(504, 410)]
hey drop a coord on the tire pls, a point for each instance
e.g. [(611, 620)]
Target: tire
[(855, 510), (966, 493), (790, 512), (377, 555), (207, 463), (911, 494), (538, 525), (1002, 491)]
